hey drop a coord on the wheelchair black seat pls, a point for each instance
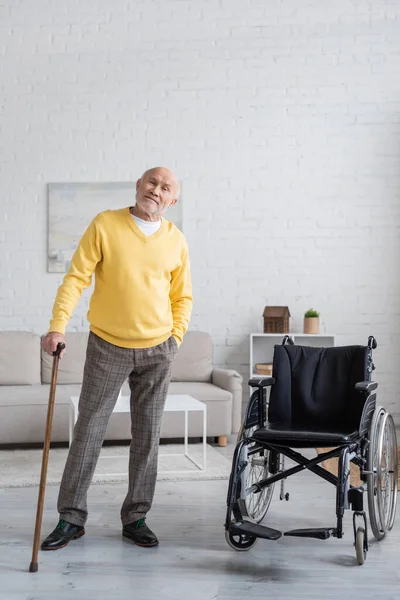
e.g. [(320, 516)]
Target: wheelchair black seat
[(283, 434)]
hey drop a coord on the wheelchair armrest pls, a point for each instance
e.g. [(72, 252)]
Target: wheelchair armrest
[(367, 414), (261, 382), (366, 386)]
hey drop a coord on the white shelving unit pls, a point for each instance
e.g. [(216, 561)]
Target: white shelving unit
[(262, 345)]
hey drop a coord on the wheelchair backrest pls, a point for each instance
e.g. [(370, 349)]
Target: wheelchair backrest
[(316, 386)]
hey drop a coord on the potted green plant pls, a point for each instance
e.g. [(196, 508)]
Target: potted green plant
[(311, 321)]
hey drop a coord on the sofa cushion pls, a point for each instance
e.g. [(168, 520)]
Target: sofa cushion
[(19, 358), (193, 361), (203, 392), (70, 369), (35, 395), (219, 411), (23, 413)]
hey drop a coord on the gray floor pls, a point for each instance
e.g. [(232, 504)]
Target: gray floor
[(193, 559)]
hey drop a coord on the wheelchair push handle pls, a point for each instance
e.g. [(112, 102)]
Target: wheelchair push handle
[(372, 344)]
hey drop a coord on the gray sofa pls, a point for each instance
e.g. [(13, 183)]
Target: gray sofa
[(25, 374)]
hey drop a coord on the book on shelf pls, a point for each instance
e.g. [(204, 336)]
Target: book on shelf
[(264, 369)]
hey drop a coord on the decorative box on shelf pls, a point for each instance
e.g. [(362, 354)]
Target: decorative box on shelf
[(264, 369), (276, 319), (262, 348)]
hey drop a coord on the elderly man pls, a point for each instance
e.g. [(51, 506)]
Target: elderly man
[(138, 315)]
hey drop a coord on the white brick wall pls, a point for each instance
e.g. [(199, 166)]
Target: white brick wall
[(281, 117)]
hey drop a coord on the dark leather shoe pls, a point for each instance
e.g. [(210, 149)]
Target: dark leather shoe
[(62, 535), (140, 533)]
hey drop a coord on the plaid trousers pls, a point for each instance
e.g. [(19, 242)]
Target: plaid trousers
[(107, 367)]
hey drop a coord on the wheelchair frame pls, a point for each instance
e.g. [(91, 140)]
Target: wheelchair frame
[(243, 531)]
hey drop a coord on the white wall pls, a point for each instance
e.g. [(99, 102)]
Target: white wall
[(281, 117)]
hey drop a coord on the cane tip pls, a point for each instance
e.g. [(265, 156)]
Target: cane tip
[(33, 567)]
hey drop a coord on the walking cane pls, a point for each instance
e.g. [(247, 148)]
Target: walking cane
[(33, 567)]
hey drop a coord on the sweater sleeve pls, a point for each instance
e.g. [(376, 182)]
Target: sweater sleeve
[(181, 297), (79, 277)]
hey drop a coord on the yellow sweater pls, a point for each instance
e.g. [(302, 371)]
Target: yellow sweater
[(142, 291)]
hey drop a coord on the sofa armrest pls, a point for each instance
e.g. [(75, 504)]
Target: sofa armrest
[(231, 381)]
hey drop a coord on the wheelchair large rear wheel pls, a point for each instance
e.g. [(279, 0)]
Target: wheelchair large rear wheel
[(257, 505), (382, 469)]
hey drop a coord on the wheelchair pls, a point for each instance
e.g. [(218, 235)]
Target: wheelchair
[(319, 398)]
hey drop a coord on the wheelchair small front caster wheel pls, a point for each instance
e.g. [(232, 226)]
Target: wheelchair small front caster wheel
[(360, 544), (242, 542), (287, 496)]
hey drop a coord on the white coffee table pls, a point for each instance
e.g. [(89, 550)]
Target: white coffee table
[(174, 403)]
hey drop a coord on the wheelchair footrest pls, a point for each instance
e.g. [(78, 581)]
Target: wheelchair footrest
[(259, 531), (319, 533)]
